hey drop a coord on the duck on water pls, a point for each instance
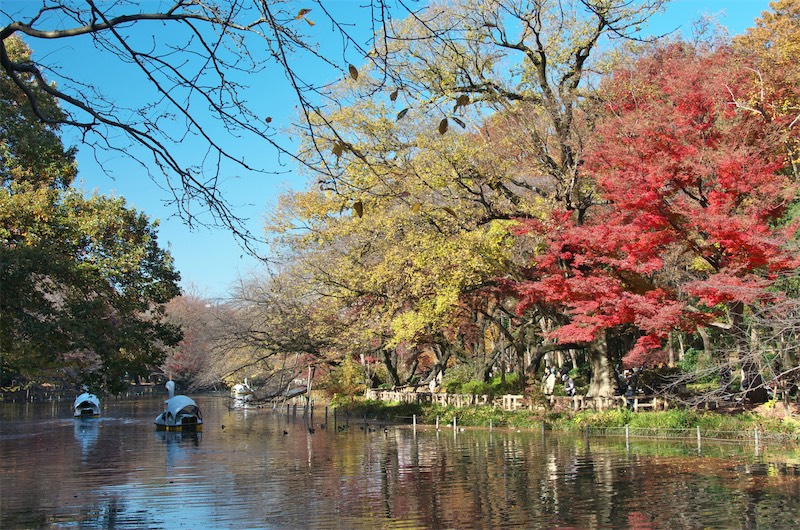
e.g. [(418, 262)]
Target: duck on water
[(180, 413)]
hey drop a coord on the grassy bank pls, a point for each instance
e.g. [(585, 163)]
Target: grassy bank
[(657, 423)]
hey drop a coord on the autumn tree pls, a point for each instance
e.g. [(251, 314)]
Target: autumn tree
[(508, 80), (83, 279), (695, 186)]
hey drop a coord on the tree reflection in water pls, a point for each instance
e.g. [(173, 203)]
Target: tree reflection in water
[(119, 471)]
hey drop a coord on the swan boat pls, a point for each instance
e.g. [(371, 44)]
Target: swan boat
[(242, 392), (86, 405), (180, 413)]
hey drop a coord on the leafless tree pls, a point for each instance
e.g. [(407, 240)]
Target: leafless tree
[(197, 70)]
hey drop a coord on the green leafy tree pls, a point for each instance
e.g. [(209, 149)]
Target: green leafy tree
[(83, 279)]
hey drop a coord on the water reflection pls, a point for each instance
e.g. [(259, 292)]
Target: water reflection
[(86, 431), (179, 445), (261, 469)]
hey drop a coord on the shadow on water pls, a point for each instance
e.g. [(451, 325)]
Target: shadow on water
[(260, 468)]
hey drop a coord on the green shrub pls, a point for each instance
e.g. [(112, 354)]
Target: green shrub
[(512, 385), (455, 378), (475, 387)]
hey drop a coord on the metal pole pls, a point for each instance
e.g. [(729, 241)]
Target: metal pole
[(414, 421), (437, 423)]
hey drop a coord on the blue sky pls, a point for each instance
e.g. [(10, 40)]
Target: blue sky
[(210, 261)]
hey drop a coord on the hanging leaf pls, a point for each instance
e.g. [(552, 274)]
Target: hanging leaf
[(338, 149), (443, 126), (269, 119), (462, 100), (402, 113), (461, 123), (393, 95), (303, 12), (416, 207), (353, 72), (358, 207), (450, 211), (309, 22)]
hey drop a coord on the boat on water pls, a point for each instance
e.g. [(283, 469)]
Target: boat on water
[(86, 405), (242, 392), (180, 413)]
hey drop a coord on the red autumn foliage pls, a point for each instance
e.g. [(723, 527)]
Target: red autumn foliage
[(694, 183)]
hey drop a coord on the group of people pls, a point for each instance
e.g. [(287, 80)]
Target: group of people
[(628, 382), (551, 376)]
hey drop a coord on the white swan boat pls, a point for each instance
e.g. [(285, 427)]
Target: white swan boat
[(180, 413), (242, 392), (86, 405)]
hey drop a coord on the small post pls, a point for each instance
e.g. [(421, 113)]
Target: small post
[(287, 409), (437, 423), (627, 438), (335, 426), (414, 422), (454, 424), (756, 437), (698, 439), (543, 428), (326, 415), (490, 424)]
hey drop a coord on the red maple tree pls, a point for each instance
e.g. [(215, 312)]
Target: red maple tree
[(691, 164)]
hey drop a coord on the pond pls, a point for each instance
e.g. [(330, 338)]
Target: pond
[(256, 468)]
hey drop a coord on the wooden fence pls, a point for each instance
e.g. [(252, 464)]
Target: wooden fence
[(518, 402)]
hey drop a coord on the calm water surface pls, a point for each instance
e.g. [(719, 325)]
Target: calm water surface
[(242, 471)]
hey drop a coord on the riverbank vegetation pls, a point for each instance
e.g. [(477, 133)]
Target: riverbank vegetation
[(509, 186), (771, 419)]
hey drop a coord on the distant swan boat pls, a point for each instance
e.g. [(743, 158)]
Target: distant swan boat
[(180, 413), (242, 392), (86, 405)]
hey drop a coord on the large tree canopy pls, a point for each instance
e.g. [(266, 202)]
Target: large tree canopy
[(83, 279), (695, 185)]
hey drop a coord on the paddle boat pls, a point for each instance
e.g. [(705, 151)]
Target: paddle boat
[(86, 405), (242, 392), (180, 413)]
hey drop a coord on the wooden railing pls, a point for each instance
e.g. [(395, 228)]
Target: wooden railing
[(518, 402)]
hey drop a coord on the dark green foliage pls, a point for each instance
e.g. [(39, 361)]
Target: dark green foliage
[(84, 280)]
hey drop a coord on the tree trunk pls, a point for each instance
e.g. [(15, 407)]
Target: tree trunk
[(671, 349), (603, 381), (706, 340), (390, 367)]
